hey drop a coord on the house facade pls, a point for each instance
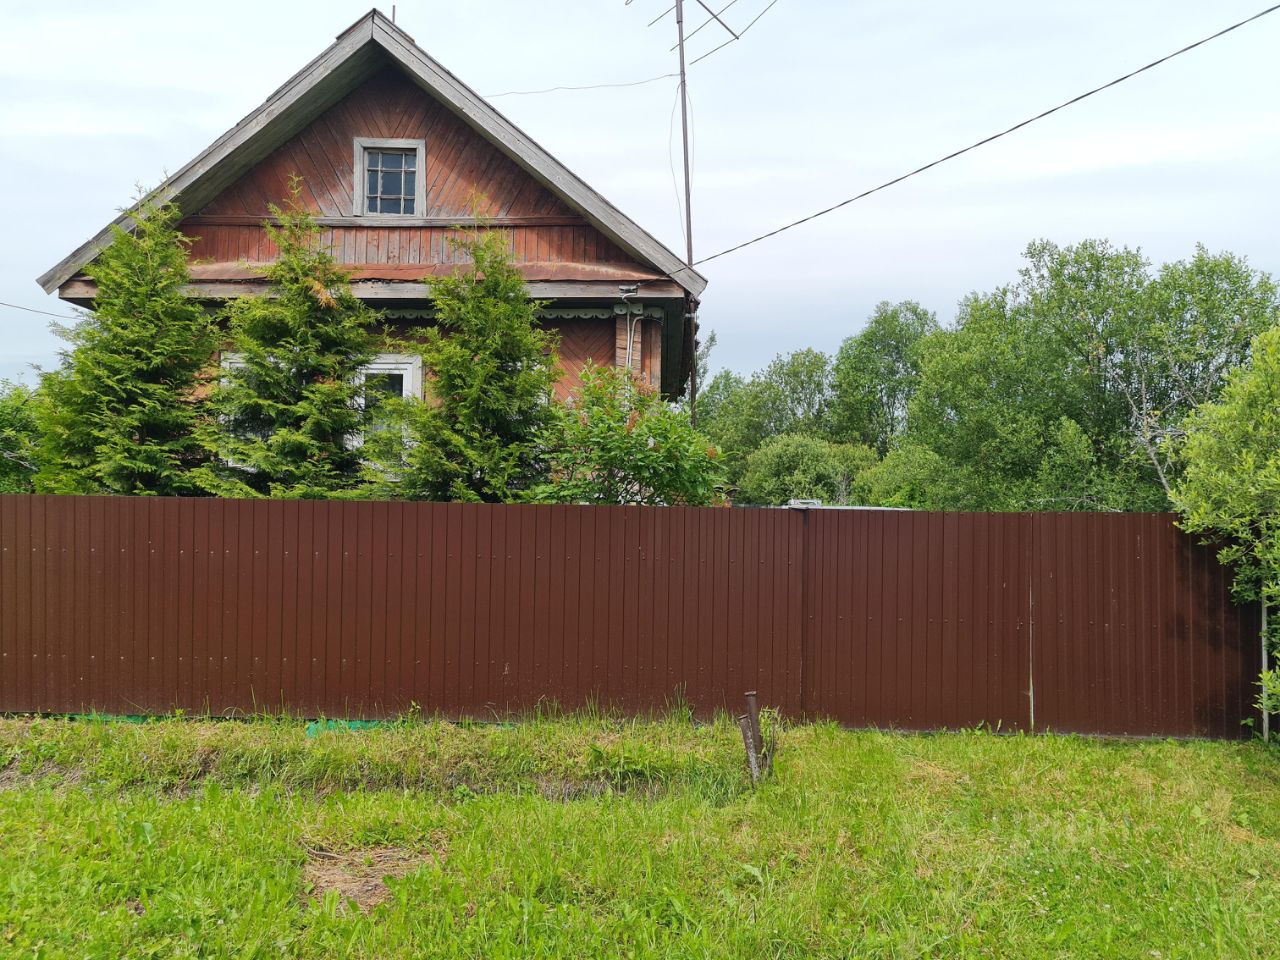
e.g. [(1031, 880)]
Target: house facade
[(395, 154)]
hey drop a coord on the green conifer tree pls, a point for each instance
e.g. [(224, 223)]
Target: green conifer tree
[(119, 415), (289, 408), (492, 369), (17, 437)]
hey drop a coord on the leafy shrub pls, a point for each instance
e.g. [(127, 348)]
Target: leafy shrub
[(617, 441), (793, 466), (1230, 488)]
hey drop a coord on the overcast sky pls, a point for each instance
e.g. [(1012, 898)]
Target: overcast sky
[(817, 102)]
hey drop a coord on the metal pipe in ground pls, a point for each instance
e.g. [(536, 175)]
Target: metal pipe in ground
[(763, 751), (753, 713), (748, 741)]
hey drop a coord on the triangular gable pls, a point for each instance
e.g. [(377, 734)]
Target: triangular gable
[(360, 52), (390, 105)]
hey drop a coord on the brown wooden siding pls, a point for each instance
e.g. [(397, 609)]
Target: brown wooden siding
[(382, 245), (582, 340), (460, 166), (1114, 623)]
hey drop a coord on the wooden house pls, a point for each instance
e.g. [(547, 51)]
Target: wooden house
[(392, 150)]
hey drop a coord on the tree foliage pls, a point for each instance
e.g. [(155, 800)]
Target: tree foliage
[(17, 437), (1066, 390), (793, 466), (120, 415), (492, 369), (619, 442), (701, 368), (875, 375), (1229, 489), (290, 406), (791, 395)]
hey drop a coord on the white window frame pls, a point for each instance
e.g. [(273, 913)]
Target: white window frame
[(229, 360), (407, 364), (404, 363), (359, 192)]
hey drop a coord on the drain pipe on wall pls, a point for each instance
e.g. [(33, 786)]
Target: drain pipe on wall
[(632, 312)]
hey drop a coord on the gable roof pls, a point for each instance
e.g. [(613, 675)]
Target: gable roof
[(358, 52)]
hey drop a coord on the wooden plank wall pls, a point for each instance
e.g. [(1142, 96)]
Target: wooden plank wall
[(1119, 623), (460, 166)]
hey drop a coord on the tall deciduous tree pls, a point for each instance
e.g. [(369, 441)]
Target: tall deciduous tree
[(619, 442), (791, 395), (1230, 487), (1065, 390), (119, 415), (876, 373), (492, 369), (290, 406)]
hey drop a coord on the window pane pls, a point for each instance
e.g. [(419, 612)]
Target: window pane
[(408, 206), (391, 161), (390, 206), (388, 384), (372, 159), (391, 183), (410, 161), (373, 183)]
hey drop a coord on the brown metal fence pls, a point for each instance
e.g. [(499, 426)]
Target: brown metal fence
[(1112, 623)]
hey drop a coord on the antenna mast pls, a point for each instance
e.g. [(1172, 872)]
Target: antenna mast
[(688, 213)]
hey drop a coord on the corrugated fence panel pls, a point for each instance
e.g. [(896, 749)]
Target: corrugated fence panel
[(919, 620), (1095, 623), (1136, 631)]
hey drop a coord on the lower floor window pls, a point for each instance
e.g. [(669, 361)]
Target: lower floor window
[(393, 375), (387, 375)]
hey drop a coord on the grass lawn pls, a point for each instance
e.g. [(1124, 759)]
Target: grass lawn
[(581, 836)]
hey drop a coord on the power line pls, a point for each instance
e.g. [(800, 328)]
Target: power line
[(589, 86), (46, 313), (994, 136)]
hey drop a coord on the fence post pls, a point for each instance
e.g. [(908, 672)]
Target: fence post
[(1266, 665), (1031, 620), (806, 625)]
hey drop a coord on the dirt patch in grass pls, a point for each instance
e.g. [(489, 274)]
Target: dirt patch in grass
[(932, 775), (11, 778), (360, 876), (14, 778)]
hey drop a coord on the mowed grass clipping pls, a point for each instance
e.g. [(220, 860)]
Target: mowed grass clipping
[(594, 837)]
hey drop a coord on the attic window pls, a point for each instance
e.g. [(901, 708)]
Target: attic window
[(389, 177)]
